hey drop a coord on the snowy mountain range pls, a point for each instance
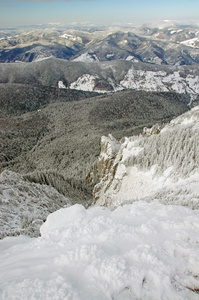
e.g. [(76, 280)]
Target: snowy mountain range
[(170, 45), (162, 58)]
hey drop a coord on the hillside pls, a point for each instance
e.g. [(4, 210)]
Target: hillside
[(103, 76), (62, 139), (17, 99)]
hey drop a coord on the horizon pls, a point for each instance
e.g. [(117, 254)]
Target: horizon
[(15, 13)]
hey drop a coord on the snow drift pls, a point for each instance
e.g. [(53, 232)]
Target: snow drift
[(139, 251)]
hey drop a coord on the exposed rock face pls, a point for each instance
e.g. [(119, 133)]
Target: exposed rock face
[(109, 149), (160, 164), (107, 165)]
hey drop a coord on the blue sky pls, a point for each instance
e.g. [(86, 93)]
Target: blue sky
[(32, 12)]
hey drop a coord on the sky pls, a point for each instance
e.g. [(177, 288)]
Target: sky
[(97, 12)]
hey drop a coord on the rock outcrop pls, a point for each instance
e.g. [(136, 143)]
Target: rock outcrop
[(108, 162), (159, 165)]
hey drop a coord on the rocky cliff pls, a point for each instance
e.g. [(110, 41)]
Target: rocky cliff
[(162, 163)]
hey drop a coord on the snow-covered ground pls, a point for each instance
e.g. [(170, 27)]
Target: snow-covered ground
[(71, 37), (191, 43), (139, 251), (61, 85), (86, 57), (130, 250), (160, 81), (85, 83)]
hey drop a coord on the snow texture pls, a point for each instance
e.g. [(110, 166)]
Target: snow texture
[(71, 37), (61, 85), (86, 57), (139, 251), (160, 81)]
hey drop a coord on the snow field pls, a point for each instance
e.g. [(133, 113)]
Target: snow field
[(138, 251), (84, 83), (191, 42), (86, 57), (142, 80)]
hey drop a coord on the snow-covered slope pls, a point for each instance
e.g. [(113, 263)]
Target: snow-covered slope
[(160, 81), (191, 43), (24, 206), (86, 57), (139, 251), (151, 44), (162, 166), (84, 83), (138, 79)]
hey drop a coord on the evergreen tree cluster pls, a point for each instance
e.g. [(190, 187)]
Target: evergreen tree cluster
[(177, 148)]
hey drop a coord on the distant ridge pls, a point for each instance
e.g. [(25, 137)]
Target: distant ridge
[(103, 76), (163, 45)]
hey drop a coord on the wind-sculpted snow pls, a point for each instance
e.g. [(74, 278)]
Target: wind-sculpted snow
[(139, 251), (162, 166), (24, 206)]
